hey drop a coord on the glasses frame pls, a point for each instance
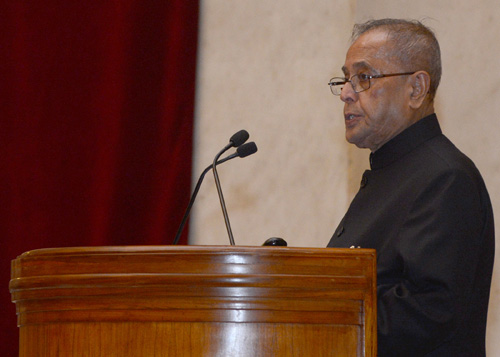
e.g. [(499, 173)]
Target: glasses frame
[(336, 82)]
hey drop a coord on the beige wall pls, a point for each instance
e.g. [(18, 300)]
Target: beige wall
[(264, 66)]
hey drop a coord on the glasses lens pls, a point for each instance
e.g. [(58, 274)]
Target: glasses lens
[(336, 84), (360, 82)]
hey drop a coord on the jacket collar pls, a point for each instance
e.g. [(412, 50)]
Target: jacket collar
[(405, 142)]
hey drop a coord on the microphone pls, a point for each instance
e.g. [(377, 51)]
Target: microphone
[(236, 140), (242, 151)]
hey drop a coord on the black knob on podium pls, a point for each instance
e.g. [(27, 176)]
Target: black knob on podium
[(275, 242)]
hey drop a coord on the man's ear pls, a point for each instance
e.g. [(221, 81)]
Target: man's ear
[(420, 85)]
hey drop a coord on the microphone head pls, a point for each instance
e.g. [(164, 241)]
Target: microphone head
[(239, 138), (246, 149)]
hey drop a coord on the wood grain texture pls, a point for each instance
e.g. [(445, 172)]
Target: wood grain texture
[(196, 301)]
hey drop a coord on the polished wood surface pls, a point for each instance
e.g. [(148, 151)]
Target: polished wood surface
[(196, 301)]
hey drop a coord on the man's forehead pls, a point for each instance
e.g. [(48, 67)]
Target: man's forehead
[(370, 47), (357, 66)]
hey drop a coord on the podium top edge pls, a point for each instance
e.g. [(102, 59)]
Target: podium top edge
[(189, 249)]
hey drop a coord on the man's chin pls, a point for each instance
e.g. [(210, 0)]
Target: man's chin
[(352, 138), (357, 142)]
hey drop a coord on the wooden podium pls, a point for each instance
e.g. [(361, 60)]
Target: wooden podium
[(196, 301)]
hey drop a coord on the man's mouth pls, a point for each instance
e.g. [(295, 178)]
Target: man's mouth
[(351, 120)]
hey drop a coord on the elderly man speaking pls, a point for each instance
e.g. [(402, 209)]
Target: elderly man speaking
[(422, 205)]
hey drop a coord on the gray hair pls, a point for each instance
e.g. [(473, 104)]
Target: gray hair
[(414, 44)]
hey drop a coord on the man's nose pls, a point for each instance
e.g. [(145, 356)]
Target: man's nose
[(348, 94)]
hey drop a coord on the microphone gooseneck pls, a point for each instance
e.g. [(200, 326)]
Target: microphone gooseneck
[(243, 150), (236, 140)]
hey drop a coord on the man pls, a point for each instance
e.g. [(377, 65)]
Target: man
[(423, 205)]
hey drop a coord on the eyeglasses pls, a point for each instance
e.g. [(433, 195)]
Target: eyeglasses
[(360, 82)]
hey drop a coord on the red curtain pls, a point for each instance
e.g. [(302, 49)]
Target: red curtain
[(97, 103)]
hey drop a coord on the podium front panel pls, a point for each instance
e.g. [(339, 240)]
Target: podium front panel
[(196, 301)]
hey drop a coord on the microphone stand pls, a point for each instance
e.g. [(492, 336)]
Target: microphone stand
[(221, 197), (243, 150), (195, 193)]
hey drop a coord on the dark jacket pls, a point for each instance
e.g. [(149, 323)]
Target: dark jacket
[(425, 209)]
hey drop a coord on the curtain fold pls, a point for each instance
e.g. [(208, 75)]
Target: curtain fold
[(97, 106)]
